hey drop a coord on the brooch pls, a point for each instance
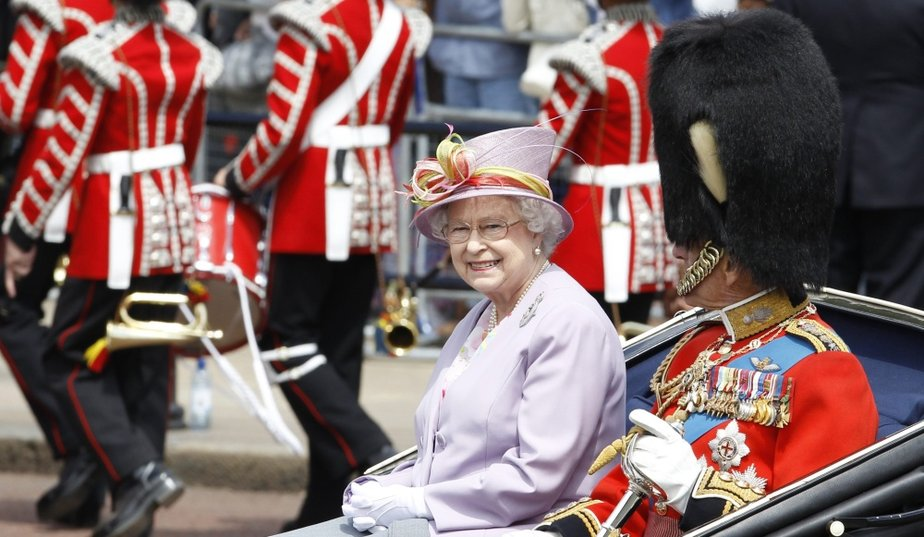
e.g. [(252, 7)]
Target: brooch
[(531, 310)]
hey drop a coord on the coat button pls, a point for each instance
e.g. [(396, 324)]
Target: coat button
[(439, 441)]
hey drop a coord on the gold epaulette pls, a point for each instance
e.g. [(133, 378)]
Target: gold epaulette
[(578, 509), (820, 336), (723, 485)]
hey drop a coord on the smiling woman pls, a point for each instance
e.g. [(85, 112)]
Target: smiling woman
[(525, 389)]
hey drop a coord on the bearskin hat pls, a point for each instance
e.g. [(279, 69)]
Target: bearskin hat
[(758, 87)]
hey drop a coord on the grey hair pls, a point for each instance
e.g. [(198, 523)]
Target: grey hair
[(540, 217)]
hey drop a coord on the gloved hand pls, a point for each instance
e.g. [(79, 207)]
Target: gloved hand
[(370, 504), (532, 533), (665, 458)]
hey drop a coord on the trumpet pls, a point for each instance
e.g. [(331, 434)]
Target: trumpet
[(399, 320), (127, 331)]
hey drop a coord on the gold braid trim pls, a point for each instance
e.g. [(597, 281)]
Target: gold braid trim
[(722, 485), (578, 509), (820, 336), (705, 263)]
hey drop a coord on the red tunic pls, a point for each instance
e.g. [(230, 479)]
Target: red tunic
[(138, 87), (832, 414), (599, 108), (29, 85), (320, 45)]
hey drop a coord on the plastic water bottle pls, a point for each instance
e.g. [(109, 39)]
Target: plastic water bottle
[(200, 398)]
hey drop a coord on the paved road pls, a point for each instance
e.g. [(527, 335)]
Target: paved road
[(200, 512)]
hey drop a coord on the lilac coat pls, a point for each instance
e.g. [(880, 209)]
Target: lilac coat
[(515, 434)]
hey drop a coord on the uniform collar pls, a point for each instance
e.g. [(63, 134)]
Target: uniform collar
[(758, 312)]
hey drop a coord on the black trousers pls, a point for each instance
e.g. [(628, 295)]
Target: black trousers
[(879, 253), (122, 410), (23, 342), (313, 300)]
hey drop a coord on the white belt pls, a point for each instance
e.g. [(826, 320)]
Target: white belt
[(285, 353), (617, 175), (117, 165), (137, 161), (44, 118), (349, 137)]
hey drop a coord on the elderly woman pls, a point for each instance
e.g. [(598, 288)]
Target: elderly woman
[(746, 128), (531, 383)]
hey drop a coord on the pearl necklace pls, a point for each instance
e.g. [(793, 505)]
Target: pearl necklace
[(492, 321)]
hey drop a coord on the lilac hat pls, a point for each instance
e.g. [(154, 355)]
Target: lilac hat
[(509, 162)]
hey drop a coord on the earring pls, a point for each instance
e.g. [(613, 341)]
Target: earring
[(537, 251)]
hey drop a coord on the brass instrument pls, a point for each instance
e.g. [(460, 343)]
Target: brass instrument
[(127, 331), (399, 320)]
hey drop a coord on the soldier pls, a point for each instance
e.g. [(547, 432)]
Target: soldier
[(746, 122), (129, 118), (337, 103), (29, 89), (598, 106)]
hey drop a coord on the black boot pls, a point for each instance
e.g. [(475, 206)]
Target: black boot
[(76, 489), (150, 487)]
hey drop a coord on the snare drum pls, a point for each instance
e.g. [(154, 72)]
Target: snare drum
[(228, 238)]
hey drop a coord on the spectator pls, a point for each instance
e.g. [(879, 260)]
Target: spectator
[(876, 51), (565, 18), (479, 73)]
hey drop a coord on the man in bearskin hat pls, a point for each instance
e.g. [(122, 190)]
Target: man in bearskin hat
[(746, 119)]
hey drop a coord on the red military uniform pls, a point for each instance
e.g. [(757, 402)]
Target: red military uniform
[(30, 83), (29, 86), (770, 409), (330, 92), (152, 90), (599, 109)]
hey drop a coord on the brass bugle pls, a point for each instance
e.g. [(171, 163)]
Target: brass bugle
[(399, 323), (126, 331)]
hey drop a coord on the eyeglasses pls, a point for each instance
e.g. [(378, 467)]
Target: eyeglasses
[(489, 230)]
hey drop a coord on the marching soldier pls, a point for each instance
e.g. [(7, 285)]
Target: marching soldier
[(343, 80), (130, 114), (598, 106), (28, 89), (746, 122)]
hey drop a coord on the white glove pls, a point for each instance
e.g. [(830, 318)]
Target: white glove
[(665, 458), (532, 533), (370, 505)]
